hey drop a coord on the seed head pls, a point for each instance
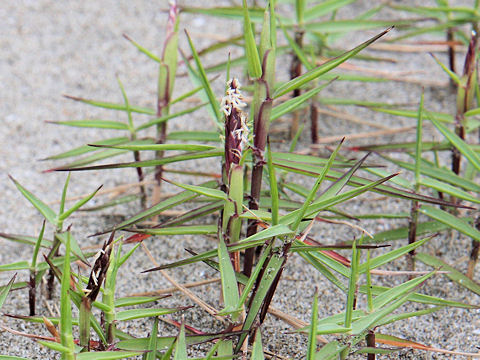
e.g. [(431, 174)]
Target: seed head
[(172, 17), (236, 129)]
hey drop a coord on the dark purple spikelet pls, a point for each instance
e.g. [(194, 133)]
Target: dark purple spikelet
[(99, 269), (236, 130), (465, 101)]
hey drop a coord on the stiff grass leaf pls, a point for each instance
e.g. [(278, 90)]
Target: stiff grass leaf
[(322, 69), (5, 290), (181, 345), (229, 282), (450, 220), (452, 273), (43, 208)]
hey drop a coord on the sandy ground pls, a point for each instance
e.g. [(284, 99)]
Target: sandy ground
[(52, 48)]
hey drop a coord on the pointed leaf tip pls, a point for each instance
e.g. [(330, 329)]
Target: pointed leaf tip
[(71, 97)]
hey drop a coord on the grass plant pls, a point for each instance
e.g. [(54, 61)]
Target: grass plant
[(261, 210)]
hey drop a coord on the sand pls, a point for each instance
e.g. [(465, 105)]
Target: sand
[(51, 48)]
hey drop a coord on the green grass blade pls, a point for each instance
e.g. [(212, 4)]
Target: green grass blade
[(273, 186), (147, 163), (206, 136), (56, 346), (274, 265), (392, 255), (19, 265), (448, 189), (169, 117), (5, 290), (313, 160), (345, 26), (36, 249), (97, 156), (135, 300), (196, 213), (229, 282), (452, 273), (325, 7), (421, 298), (186, 95), (66, 335), (107, 355), (253, 277), (166, 81), (383, 299), (152, 344), (142, 49), (312, 333), (326, 329), (86, 149), (114, 202), (442, 174), (231, 12), (370, 320), (452, 221), (418, 145), (456, 141), (96, 124), (257, 348), (127, 106), (397, 180), (329, 351), (59, 261), (339, 184), (297, 50), (294, 103), (26, 239), (163, 342), (254, 65), (273, 24), (163, 147), (164, 205), (265, 36), (113, 106), (43, 208), (78, 205), (251, 241), (213, 350), (168, 354), (214, 104), (369, 283), (62, 200), (442, 117), (352, 286), (201, 190), (322, 69), (179, 230), (414, 314), (454, 77), (181, 345), (296, 137), (74, 246), (143, 313), (323, 270), (225, 350), (300, 10), (301, 212), (391, 191), (325, 204)]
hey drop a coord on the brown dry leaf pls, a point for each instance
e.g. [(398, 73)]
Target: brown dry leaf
[(398, 342)]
